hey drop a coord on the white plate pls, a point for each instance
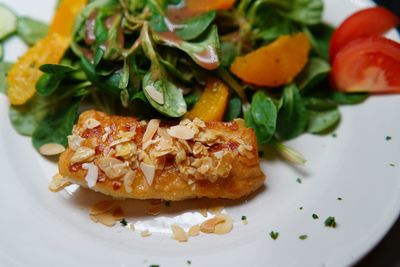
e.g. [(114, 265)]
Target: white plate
[(39, 228)]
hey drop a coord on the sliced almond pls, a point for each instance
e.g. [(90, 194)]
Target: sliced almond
[(83, 154), (91, 123), (145, 233), (92, 175), (208, 226), (155, 94), (151, 129), (181, 132), (224, 227), (132, 226), (106, 219), (194, 230), (216, 209), (203, 211), (58, 183), (178, 233), (148, 171), (51, 149), (102, 207), (74, 141), (112, 167), (129, 177), (94, 218)]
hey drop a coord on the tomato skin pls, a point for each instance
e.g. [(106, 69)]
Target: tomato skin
[(369, 22), (369, 64)]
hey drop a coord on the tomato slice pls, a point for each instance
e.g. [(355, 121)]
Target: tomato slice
[(369, 64), (365, 23)]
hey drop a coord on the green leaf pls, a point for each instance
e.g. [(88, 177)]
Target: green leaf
[(229, 51), (8, 22), (320, 36), (56, 68), (194, 27), (191, 99), (26, 118), (31, 30), (48, 83), (4, 68), (321, 121), (173, 104), (234, 109), (292, 118), (262, 116), (56, 127), (315, 72), (321, 104), (308, 12), (349, 98), (203, 51)]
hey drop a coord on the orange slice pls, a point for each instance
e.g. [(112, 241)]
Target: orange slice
[(275, 64), (212, 103)]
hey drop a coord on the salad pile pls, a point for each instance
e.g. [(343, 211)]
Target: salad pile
[(266, 61)]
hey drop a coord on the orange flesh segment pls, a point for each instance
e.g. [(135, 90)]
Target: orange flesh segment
[(275, 64), (25, 72), (212, 103), (209, 5)]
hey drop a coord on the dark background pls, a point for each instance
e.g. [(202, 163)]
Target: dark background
[(387, 253)]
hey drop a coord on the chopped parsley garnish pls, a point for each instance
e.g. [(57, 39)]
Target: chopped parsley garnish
[(330, 222), (188, 262), (299, 180), (167, 204), (301, 208), (315, 216), (274, 235), (388, 138), (153, 265), (392, 164), (123, 222), (339, 198), (334, 135), (303, 237), (244, 218)]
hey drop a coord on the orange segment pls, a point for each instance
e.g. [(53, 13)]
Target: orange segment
[(208, 5), (212, 103), (275, 64), (25, 72), (64, 18)]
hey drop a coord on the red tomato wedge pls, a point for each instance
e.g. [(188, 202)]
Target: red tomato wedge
[(365, 23), (368, 65)]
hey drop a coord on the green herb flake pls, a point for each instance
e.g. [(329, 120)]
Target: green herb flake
[(188, 262), (301, 208), (339, 198), (244, 218), (388, 138), (123, 222), (299, 180), (334, 135), (303, 237), (154, 265), (274, 235), (392, 165), (330, 222), (315, 216)]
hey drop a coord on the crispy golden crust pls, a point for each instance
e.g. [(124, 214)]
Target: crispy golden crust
[(245, 175)]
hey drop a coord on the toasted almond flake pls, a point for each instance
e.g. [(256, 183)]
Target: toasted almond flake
[(83, 154), (102, 207), (203, 211), (148, 171), (106, 219), (91, 175), (199, 123), (51, 149), (209, 225), (118, 213), (225, 226), (181, 132), (194, 230), (132, 226), (219, 154), (112, 167), (155, 94), (91, 123), (245, 222), (216, 209), (125, 150), (129, 177), (120, 141), (94, 218), (145, 233), (58, 183), (151, 129), (178, 233), (74, 141)]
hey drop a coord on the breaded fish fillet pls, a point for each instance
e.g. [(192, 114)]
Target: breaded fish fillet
[(127, 158)]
